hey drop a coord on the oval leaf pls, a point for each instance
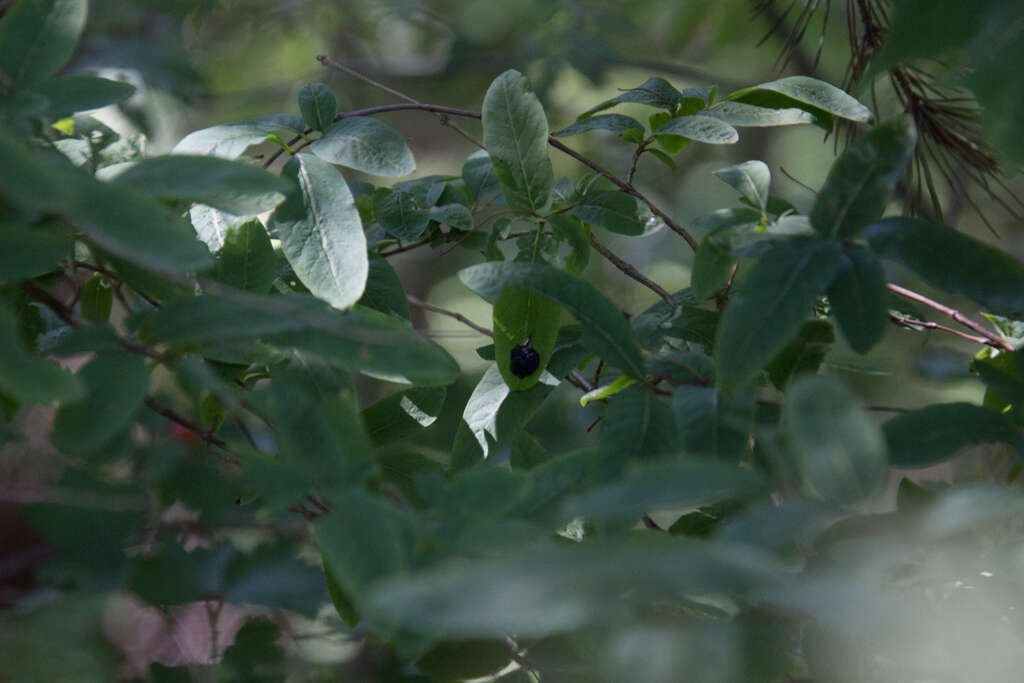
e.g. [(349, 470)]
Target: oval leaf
[(247, 260), (861, 180), (859, 298), (617, 123), (712, 267), (516, 136), (26, 377), (769, 306), (520, 315), (401, 214), (70, 94), (750, 116), (922, 438), (366, 145), (805, 93), (318, 106), (230, 186), (605, 329), (953, 262), (613, 211), (38, 37), (702, 129), (321, 233), (229, 140), (750, 179), (839, 451), (27, 251), (711, 424)]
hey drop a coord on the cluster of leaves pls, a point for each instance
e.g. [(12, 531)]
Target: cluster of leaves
[(713, 528)]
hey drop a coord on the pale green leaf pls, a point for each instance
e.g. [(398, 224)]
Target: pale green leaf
[(701, 128), (750, 116), (229, 140), (366, 145), (750, 179)]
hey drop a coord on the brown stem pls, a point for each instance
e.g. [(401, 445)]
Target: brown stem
[(631, 271), (188, 424), (987, 338), (407, 247), (451, 314), (914, 322), (636, 160)]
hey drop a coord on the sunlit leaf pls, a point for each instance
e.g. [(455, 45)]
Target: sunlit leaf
[(366, 144)]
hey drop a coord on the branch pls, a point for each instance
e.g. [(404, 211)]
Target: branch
[(407, 247), (188, 424), (451, 314), (631, 271), (914, 322), (986, 337)]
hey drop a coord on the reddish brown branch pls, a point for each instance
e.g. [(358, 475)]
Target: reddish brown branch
[(986, 337)]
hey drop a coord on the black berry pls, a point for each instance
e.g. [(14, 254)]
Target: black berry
[(523, 360)]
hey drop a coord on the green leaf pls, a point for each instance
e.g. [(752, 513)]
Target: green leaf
[(230, 186), (861, 180), (516, 136), (26, 377), (115, 385), (654, 92), (96, 299), (401, 214), (750, 179), (465, 659), (839, 451), (321, 233), (70, 94), (921, 438), (621, 383), (611, 210), (663, 486), (211, 225), (28, 251), (750, 116), (809, 94), (802, 355), (318, 106), (702, 129), (767, 309), (454, 215), (403, 414), (247, 260), (712, 267), (859, 298), (366, 145), (359, 339), (711, 424), (952, 262), (272, 576), (606, 331), (38, 37), (384, 290), (230, 140), (478, 175), (117, 218), (572, 231), (519, 316), (638, 425), (617, 123)]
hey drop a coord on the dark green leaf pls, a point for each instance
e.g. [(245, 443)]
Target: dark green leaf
[(839, 451), (750, 179), (367, 145), (384, 291), (38, 37), (272, 576), (359, 339), (802, 355), (664, 486), (465, 659), (454, 215), (229, 140), (654, 92), (247, 259), (26, 377), (924, 437), (605, 330), (321, 232), (767, 309), (614, 211), (953, 262), (27, 251), (95, 299), (861, 180), (318, 106), (573, 232), (516, 136), (859, 298), (401, 214), (638, 425), (70, 94), (702, 129), (230, 186), (478, 175), (712, 267), (117, 218), (403, 414), (115, 385), (617, 123), (750, 116), (804, 93), (211, 225), (521, 316), (711, 424)]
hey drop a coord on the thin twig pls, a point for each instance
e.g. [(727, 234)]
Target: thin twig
[(628, 189), (914, 322), (114, 278), (451, 314), (988, 338), (407, 247), (442, 116), (636, 161), (631, 271), (188, 424)]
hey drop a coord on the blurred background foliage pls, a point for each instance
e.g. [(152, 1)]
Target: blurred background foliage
[(202, 62)]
